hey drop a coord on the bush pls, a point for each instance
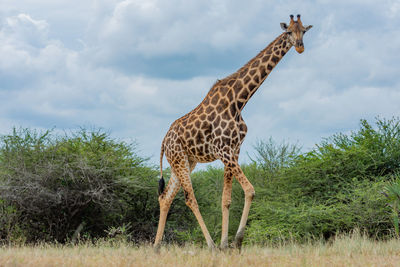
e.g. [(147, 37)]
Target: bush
[(85, 184), (392, 194), (335, 187), (51, 186)]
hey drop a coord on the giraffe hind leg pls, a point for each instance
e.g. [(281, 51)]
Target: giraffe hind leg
[(165, 199), (191, 202)]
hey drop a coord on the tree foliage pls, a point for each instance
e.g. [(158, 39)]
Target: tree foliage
[(87, 184), (53, 185), (336, 187)]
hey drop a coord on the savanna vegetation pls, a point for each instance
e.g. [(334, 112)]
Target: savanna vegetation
[(353, 249), (87, 187)]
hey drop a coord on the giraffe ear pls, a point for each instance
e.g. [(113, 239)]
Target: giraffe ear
[(284, 26), (308, 27)]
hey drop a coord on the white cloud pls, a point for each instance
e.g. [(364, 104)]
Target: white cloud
[(25, 30), (156, 28), (349, 70), (61, 89)]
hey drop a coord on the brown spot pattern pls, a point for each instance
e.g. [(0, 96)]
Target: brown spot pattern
[(216, 130)]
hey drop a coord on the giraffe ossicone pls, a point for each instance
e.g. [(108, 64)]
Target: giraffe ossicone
[(215, 130)]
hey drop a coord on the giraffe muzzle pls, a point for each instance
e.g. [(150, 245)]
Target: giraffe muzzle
[(300, 49), (299, 46)]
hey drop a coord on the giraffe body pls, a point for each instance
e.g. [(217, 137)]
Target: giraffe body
[(215, 130)]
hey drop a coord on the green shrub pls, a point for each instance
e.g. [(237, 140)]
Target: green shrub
[(88, 185), (392, 194), (57, 183), (334, 188)]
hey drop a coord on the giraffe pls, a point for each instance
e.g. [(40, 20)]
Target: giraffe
[(215, 130)]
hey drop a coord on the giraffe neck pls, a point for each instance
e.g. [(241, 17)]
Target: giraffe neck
[(250, 77), (229, 95)]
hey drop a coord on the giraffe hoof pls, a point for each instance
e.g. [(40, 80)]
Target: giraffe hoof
[(224, 245), (212, 246), (239, 239), (157, 248), (237, 245)]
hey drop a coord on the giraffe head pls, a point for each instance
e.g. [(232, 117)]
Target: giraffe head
[(295, 31)]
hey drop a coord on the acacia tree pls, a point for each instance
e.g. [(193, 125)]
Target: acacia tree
[(57, 186)]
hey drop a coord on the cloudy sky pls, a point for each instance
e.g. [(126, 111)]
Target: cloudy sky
[(132, 67)]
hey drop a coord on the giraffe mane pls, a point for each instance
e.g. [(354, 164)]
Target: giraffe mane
[(234, 75)]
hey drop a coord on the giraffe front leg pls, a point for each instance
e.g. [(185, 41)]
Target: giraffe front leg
[(226, 202), (249, 195), (165, 200)]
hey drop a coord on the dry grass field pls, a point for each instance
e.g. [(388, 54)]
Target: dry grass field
[(344, 251)]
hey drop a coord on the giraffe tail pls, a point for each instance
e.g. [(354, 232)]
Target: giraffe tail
[(161, 182)]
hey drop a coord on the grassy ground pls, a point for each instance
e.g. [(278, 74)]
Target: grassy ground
[(344, 251)]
